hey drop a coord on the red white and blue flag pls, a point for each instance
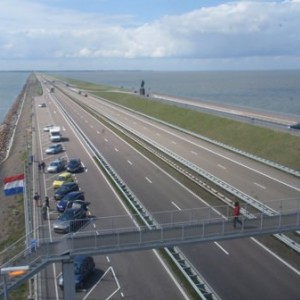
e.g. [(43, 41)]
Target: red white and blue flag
[(13, 184)]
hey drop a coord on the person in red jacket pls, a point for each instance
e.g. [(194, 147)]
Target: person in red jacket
[(236, 213)]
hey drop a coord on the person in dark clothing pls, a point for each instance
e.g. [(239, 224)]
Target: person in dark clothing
[(43, 165), (36, 199), (236, 213), (47, 202), (44, 211)]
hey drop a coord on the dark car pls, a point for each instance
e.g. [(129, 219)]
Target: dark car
[(295, 126), (74, 165), (78, 204), (64, 189), (62, 204), (84, 266), (71, 220), (57, 166)]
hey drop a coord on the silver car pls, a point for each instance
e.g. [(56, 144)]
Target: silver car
[(53, 149), (56, 166), (71, 220)]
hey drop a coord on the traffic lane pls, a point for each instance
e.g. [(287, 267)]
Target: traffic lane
[(152, 280), (208, 156), (236, 172), (107, 208), (137, 171), (234, 275)]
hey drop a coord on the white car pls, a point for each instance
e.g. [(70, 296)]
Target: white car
[(47, 127)]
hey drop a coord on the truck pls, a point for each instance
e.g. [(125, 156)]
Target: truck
[(54, 134)]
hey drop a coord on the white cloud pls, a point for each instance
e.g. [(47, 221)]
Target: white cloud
[(240, 29)]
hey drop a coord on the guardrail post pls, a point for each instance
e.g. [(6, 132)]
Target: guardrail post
[(140, 237), (298, 212), (261, 221), (280, 219)]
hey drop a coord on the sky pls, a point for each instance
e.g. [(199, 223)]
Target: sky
[(170, 35)]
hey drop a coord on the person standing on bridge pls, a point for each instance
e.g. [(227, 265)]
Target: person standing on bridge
[(236, 213)]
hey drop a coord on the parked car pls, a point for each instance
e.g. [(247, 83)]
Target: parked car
[(84, 266), (78, 204), (61, 179), (42, 105), (70, 220), (74, 165), (64, 189), (62, 204), (57, 166), (47, 127), (54, 149), (295, 126)]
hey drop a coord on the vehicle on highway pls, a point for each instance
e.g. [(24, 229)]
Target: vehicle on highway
[(54, 149), (57, 166), (295, 126), (70, 220), (61, 179), (42, 105), (47, 127), (75, 165), (68, 198), (64, 189), (84, 266), (54, 133)]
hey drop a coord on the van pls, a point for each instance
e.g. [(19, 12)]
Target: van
[(54, 134)]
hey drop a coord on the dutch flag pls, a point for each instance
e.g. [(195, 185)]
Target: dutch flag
[(13, 185)]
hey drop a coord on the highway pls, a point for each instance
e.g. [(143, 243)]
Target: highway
[(129, 271), (240, 269)]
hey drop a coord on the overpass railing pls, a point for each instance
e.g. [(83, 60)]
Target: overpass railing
[(120, 233)]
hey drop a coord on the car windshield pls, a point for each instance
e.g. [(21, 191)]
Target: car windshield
[(73, 162), (67, 215), (65, 188), (54, 163)]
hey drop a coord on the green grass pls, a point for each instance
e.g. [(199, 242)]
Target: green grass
[(279, 147)]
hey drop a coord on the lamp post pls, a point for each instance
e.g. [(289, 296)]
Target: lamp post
[(12, 272)]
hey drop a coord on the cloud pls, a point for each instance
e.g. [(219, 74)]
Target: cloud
[(241, 29)]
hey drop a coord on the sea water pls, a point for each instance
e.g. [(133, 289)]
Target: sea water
[(11, 84), (274, 91)]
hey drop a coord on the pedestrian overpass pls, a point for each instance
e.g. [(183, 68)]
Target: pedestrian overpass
[(119, 234)]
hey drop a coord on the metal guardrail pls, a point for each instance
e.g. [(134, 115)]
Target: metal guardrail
[(223, 145)]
